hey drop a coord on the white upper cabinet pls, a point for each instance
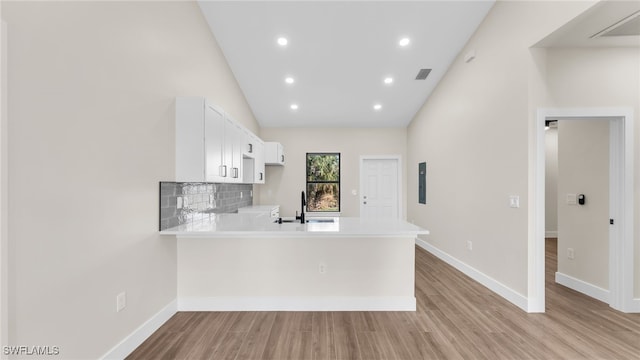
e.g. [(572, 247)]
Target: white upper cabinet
[(248, 148), (199, 138), (274, 153), (216, 169), (258, 169), (212, 147), (233, 142)]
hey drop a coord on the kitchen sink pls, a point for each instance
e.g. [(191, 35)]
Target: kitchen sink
[(285, 221), (309, 221), (329, 221)]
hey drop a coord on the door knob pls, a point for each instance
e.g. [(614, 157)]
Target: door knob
[(364, 202)]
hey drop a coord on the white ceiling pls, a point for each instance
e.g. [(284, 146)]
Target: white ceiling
[(339, 53), (580, 31)]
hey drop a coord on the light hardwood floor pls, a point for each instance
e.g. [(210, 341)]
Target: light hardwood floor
[(456, 319)]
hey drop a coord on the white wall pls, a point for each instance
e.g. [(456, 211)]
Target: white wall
[(284, 184), (473, 132), (583, 163), (602, 77), (4, 246), (91, 133), (551, 182)]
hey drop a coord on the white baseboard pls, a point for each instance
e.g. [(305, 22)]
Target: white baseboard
[(551, 234), (583, 287), (138, 336), (311, 303), (509, 294)]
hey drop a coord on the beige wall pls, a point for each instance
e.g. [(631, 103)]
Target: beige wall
[(604, 77), (212, 270), (91, 127), (583, 168), (551, 181), (283, 184), (473, 132)]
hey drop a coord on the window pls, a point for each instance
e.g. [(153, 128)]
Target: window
[(323, 182)]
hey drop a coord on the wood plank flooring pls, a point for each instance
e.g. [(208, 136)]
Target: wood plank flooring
[(456, 318)]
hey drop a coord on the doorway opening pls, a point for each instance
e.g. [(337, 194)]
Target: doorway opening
[(381, 187), (577, 171), (621, 284)]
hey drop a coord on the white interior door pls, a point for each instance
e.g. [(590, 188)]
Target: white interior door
[(379, 188)]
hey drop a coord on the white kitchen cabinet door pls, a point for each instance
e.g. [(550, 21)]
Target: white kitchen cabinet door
[(233, 151), (259, 174), (190, 147), (214, 127), (199, 141), (248, 147), (274, 153)]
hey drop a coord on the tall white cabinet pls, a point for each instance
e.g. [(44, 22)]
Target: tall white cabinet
[(259, 155), (212, 147), (215, 166)]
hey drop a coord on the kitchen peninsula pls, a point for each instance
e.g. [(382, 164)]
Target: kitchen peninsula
[(248, 262)]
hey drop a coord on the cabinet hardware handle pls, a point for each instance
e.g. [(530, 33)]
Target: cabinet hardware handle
[(235, 172), (260, 176), (250, 148), (282, 157), (223, 170)]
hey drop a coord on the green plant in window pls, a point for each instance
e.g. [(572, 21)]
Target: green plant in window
[(323, 182)]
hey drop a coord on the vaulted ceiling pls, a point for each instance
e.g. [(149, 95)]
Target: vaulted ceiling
[(335, 67)]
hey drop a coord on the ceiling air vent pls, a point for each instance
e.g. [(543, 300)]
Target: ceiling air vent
[(422, 74), (628, 26)]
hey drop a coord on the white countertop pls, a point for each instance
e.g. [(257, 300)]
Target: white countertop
[(261, 225), (258, 208)]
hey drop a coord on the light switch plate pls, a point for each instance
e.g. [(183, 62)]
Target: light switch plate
[(572, 199), (514, 201), (121, 301), (179, 202)]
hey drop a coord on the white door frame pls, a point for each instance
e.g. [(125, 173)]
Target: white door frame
[(398, 158), (621, 254)]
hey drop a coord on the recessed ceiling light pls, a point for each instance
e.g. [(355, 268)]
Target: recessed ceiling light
[(377, 107), (388, 80), (294, 106), (404, 41), (282, 41), (289, 80)]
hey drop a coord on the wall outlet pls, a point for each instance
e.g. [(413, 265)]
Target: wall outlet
[(322, 268), (241, 194), (179, 202), (572, 199), (469, 245), (570, 253), (121, 301)]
